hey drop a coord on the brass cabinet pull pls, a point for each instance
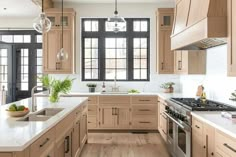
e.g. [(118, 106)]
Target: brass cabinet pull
[(45, 142), (144, 122), (229, 147), (162, 66), (144, 110), (67, 144), (197, 126), (143, 100)]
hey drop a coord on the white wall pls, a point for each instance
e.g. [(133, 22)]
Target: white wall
[(217, 85), (125, 10)]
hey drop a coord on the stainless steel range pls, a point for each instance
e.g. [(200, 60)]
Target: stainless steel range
[(178, 112)]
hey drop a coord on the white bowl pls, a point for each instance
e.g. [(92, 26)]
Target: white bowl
[(17, 113)]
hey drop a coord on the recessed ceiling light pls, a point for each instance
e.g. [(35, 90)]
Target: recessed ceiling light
[(4, 8)]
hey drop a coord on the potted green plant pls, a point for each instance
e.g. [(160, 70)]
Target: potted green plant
[(168, 86), (92, 87), (56, 86)]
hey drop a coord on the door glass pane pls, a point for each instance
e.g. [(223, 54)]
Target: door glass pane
[(166, 20), (182, 139), (3, 69), (52, 19), (18, 39), (65, 20), (7, 38)]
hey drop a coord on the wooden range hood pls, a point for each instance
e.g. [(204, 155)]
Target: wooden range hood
[(199, 24)]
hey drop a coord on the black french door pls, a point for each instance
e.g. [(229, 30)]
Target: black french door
[(20, 62)]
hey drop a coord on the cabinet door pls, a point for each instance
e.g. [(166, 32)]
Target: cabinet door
[(106, 117), (66, 66), (232, 38), (54, 18), (181, 16), (64, 146), (197, 146), (166, 21), (122, 117), (83, 129), (209, 142), (166, 56), (51, 47), (163, 126), (76, 138)]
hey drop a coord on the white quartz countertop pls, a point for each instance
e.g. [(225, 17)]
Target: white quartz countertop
[(214, 119), (100, 94), (18, 135)]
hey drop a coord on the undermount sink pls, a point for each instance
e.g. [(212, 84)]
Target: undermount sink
[(42, 115), (114, 92), (49, 111)]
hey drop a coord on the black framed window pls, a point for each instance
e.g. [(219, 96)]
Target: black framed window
[(124, 55)]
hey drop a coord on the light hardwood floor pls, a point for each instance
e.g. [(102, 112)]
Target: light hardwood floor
[(124, 145)]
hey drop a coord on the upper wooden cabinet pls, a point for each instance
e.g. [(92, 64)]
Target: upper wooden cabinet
[(190, 62), (231, 38), (165, 57), (52, 42)]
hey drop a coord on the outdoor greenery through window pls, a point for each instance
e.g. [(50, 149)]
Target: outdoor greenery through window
[(124, 55)]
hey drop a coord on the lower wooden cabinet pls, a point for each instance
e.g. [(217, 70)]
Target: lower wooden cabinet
[(66, 139), (113, 117), (162, 127), (203, 139)]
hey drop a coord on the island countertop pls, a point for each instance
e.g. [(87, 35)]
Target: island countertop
[(18, 135)]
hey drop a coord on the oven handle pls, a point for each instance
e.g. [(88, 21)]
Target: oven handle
[(180, 125)]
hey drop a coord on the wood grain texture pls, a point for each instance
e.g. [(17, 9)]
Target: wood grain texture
[(124, 145)]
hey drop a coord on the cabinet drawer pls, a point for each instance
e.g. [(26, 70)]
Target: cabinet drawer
[(225, 143), (197, 127), (92, 122), (92, 99), (5, 154), (41, 145), (114, 100), (144, 109), (92, 109), (143, 122), (144, 99)]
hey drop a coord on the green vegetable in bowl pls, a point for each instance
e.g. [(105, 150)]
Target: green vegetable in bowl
[(133, 91), (20, 108), (13, 107)]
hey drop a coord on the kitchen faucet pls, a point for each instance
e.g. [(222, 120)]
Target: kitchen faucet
[(115, 88), (34, 104)]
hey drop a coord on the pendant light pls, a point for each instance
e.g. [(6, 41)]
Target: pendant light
[(116, 23), (42, 24), (62, 55)]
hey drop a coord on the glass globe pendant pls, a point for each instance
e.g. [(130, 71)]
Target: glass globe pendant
[(42, 24), (116, 23), (62, 55)]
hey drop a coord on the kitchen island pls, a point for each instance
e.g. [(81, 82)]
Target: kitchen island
[(36, 138)]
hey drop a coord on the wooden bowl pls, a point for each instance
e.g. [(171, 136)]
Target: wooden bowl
[(17, 113)]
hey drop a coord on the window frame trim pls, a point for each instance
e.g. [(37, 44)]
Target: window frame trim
[(101, 35)]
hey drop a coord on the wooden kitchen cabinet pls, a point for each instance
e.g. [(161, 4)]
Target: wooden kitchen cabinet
[(64, 145), (165, 57), (203, 139), (231, 38), (162, 126), (225, 146), (116, 117), (52, 42), (190, 62)]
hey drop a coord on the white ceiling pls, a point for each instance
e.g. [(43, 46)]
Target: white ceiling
[(26, 8), (18, 8)]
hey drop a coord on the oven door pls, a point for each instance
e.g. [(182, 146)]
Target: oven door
[(181, 138), (183, 141), (170, 135)]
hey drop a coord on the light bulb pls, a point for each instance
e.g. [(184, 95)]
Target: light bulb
[(62, 55), (42, 24)]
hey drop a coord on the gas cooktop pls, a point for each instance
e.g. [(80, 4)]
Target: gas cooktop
[(198, 105)]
